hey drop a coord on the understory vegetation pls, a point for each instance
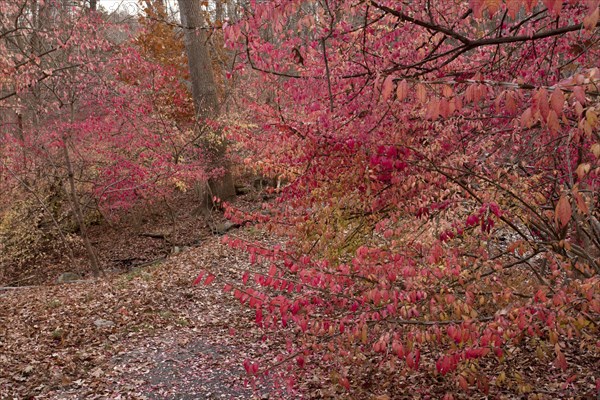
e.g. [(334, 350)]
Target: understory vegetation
[(411, 188)]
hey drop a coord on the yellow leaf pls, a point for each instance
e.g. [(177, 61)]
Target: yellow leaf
[(540, 353), (596, 150), (582, 170), (363, 335), (591, 117), (501, 378)]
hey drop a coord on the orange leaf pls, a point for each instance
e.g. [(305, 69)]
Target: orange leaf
[(433, 110), (553, 122), (513, 6), (458, 104), (580, 202), (557, 100), (562, 214), (444, 108), (492, 6), (527, 118), (542, 103), (529, 4), (591, 20), (447, 91), (421, 93), (476, 6), (554, 6), (402, 90), (388, 86), (363, 334)]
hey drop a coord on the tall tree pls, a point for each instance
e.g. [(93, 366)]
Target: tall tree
[(204, 91)]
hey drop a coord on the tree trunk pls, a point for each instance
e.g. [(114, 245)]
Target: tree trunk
[(218, 13), (204, 88), (94, 263), (204, 91), (231, 11)]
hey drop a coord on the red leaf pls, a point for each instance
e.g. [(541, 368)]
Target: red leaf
[(259, 316), (272, 270), (209, 280), (198, 278), (344, 382), (561, 361)]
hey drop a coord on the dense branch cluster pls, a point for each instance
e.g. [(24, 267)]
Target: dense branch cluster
[(442, 173)]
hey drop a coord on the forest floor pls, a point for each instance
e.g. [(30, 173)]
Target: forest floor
[(146, 332), (142, 332)]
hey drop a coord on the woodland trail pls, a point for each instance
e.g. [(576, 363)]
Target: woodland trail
[(148, 334)]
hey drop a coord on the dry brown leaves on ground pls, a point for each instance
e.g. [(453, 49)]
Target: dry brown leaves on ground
[(146, 334)]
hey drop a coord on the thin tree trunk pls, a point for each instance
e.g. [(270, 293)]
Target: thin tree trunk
[(75, 204)]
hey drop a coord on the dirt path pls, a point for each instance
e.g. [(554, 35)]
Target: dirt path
[(148, 334)]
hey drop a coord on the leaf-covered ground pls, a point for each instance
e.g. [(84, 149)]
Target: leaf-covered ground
[(146, 334)]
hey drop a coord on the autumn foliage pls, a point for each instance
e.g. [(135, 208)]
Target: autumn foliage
[(94, 122), (441, 205), (436, 226)]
